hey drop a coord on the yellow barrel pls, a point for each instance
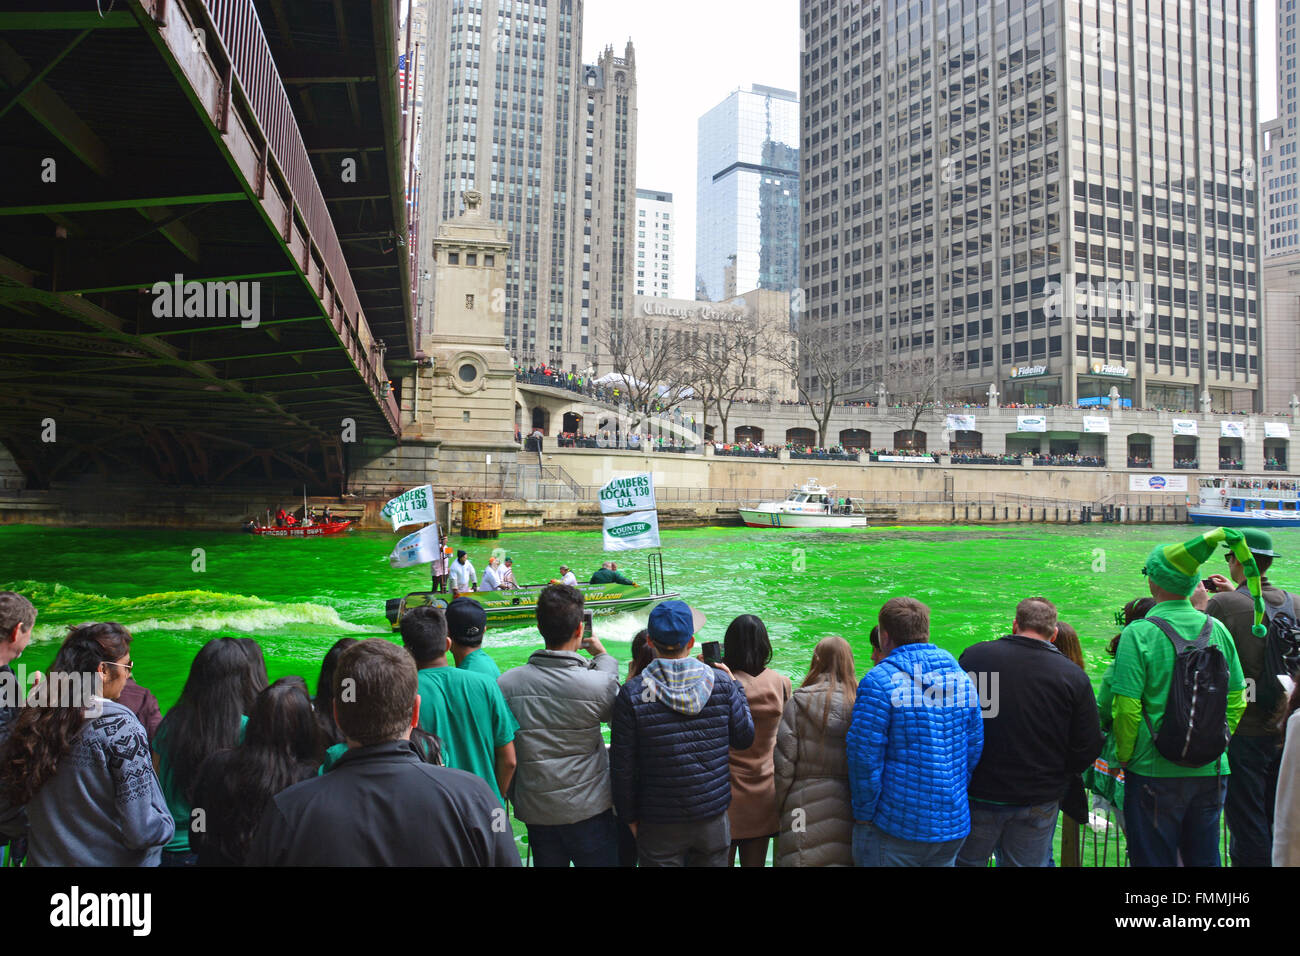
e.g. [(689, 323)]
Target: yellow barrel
[(481, 519)]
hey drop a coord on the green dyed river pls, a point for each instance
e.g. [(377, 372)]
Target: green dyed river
[(298, 597)]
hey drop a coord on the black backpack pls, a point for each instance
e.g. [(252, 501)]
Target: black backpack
[(1281, 655), (1194, 731)]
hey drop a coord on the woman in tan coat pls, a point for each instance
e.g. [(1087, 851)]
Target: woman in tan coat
[(746, 652), (811, 763)]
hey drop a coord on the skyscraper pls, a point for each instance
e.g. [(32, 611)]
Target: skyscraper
[(655, 261), (503, 89), (747, 199), (602, 260), (1053, 197), (1278, 143)]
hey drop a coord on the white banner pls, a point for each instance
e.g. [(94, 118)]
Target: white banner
[(1277, 430), (628, 532), (419, 548), (1231, 430), (1098, 424), (961, 423), (411, 507), (1031, 423), (911, 459), (1184, 426), (1157, 483), (633, 493)]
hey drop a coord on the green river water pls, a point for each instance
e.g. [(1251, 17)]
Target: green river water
[(296, 597)]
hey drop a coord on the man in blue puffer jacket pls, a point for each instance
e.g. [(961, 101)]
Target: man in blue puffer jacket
[(914, 741), (673, 724)]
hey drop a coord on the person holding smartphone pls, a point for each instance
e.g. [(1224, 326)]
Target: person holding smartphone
[(561, 789)]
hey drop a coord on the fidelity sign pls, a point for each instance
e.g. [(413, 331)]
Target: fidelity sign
[(1028, 371), (1117, 371)]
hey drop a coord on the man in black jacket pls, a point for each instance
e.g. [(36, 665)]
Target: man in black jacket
[(380, 804), (1041, 729), (673, 724)]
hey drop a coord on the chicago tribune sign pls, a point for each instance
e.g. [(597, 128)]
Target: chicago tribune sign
[(1028, 371), (694, 312)]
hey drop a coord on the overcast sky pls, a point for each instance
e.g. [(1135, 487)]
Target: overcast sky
[(691, 53)]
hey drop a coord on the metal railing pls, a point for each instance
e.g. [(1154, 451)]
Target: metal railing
[(254, 69)]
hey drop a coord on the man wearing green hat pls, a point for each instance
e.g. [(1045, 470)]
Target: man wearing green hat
[(1172, 811), (1255, 750)]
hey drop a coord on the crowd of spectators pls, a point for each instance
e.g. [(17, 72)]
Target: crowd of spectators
[(1084, 461)]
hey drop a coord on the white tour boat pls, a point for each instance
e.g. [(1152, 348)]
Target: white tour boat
[(1236, 502), (811, 506)]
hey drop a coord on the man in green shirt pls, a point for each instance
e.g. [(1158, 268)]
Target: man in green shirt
[(609, 574), (466, 711), (466, 625), (1172, 810)]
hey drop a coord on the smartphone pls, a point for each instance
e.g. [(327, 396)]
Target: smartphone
[(1208, 584), (712, 652), (586, 625)]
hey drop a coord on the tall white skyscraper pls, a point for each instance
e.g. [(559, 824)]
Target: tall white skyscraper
[(1277, 149), (655, 260)]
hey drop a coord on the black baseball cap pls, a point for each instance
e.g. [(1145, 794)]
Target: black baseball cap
[(466, 621)]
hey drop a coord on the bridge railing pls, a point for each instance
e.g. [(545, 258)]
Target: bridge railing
[(240, 32)]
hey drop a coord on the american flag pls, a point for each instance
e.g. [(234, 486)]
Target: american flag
[(401, 72)]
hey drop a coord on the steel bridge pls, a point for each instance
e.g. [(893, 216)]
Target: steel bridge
[(204, 264)]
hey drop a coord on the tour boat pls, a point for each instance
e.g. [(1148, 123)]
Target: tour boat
[(1237, 501), (811, 506), (302, 531), (520, 604)]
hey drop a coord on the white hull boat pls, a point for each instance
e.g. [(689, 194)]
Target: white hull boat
[(811, 506)]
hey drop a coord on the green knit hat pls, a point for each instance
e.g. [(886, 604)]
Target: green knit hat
[(1175, 567)]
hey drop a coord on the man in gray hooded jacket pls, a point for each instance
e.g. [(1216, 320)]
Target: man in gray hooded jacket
[(561, 787), (669, 754)]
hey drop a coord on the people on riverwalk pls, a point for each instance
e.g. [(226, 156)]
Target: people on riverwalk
[(508, 582), (17, 620), (466, 626), (75, 776), (561, 789), (914, 740), (1041, 729), (381, 805), (811, 762), (609, 574), (209, 716), (491, 575), (753, 812), (282, 746), (463, 709), (1255, 750), (673, 725), (462, 576), (1171, 809)]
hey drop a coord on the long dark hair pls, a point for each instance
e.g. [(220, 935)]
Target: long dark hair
[(1134, 610), (323, 702), (206, 717), (257, 679), (746, 646), (43, 735), (282, 746)]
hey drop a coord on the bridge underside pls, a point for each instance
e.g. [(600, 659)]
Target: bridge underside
[(120, 190)]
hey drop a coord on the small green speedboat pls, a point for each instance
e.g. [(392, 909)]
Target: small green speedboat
[(520, 604)]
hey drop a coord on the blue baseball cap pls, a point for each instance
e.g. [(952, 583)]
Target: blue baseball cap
[(674, 623)]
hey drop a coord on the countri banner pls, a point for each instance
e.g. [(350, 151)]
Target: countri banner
[(411, 507), (1277, 430), (961, 423), (633, 493), (1097, 424), (629, 532), (1232, 430), (1184, 426), (1031, 423), (422, 547)]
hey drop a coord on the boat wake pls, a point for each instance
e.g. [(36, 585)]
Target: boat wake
[(60, 607)]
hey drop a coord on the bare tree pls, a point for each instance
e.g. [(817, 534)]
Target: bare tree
[(725, 359), (917, 382), (651, 361), (828, 368)]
